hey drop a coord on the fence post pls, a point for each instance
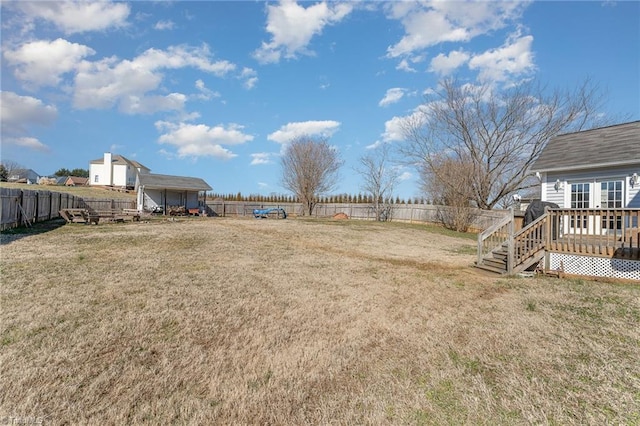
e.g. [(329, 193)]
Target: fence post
[(19, 211)]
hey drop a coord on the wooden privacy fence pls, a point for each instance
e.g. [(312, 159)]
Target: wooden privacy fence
[(421, 213), (20, 207)]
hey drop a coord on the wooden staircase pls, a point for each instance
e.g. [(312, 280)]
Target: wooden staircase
[(503, 251), (496, 261)]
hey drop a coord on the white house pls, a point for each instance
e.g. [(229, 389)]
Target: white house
[(595, 169), (115, 170)]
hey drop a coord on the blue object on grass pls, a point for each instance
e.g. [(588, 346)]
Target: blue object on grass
[(264, 213)]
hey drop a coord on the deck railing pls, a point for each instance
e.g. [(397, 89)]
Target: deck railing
[(613, 233), (595, 232)]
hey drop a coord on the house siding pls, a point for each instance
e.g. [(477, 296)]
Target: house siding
[(119, 175), (152, 199), (632, 197), (97, 170)]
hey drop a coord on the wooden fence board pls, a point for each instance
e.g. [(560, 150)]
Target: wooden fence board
[(20, 205)]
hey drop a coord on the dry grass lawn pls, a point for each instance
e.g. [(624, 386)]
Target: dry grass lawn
[(232, 321)]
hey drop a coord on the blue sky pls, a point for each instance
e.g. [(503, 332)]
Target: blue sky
[(217, 89)]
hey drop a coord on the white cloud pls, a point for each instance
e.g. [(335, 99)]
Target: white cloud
[(292, 27), (43, 62), (77, 16), (375, 145), (200, 140), (261, 158), (446, 64), (405, 176), (205, 93), (250, 78), (18, 113), (26, 142), (108, 82), (430, 23), (290, 131), (404, 66), (392, 96), (183, 56), (114, 147), (513, 58), (393, 130), (150, 104), (164, 25), (250, 83)]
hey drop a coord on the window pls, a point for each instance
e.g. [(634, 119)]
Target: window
[(580, 193), (611, 194), (95, 179), (611, 198)]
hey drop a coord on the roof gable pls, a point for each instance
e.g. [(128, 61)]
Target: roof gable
[(23, 174), (616, 145), (76, 180), (119, 159)]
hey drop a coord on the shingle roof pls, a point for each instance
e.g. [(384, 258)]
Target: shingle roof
[(78, 180), (181, 183), (119, 159), (602, 147)]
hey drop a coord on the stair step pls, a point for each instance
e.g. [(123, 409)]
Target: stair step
[(500, 254), (495, 260), (486, 267)]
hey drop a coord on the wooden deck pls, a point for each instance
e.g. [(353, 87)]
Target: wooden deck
[(603, 233)]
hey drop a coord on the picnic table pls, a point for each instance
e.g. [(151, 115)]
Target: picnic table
[(88, 216)]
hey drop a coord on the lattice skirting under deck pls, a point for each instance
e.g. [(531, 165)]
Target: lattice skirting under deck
[(595, 266)]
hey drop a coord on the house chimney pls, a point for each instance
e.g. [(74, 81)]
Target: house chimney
[(108, 169)]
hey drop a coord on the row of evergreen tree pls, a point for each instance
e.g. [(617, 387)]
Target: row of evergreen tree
[(281, 198)]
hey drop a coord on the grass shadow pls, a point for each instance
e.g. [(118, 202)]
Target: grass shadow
[(9, 235)]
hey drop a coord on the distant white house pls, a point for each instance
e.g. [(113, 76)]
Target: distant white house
[(115, 170)]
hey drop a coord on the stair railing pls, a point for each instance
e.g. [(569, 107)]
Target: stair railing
[(495, 237), (530, 240)]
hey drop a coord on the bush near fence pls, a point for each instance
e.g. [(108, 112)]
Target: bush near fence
[(20, 206), (420, 213)]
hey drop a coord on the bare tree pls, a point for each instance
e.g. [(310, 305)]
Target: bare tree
[(11, 167), (500, 132), (449, 181), (310, 169), (380, 178)]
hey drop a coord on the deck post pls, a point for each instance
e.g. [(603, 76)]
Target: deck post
[(510, 245)]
